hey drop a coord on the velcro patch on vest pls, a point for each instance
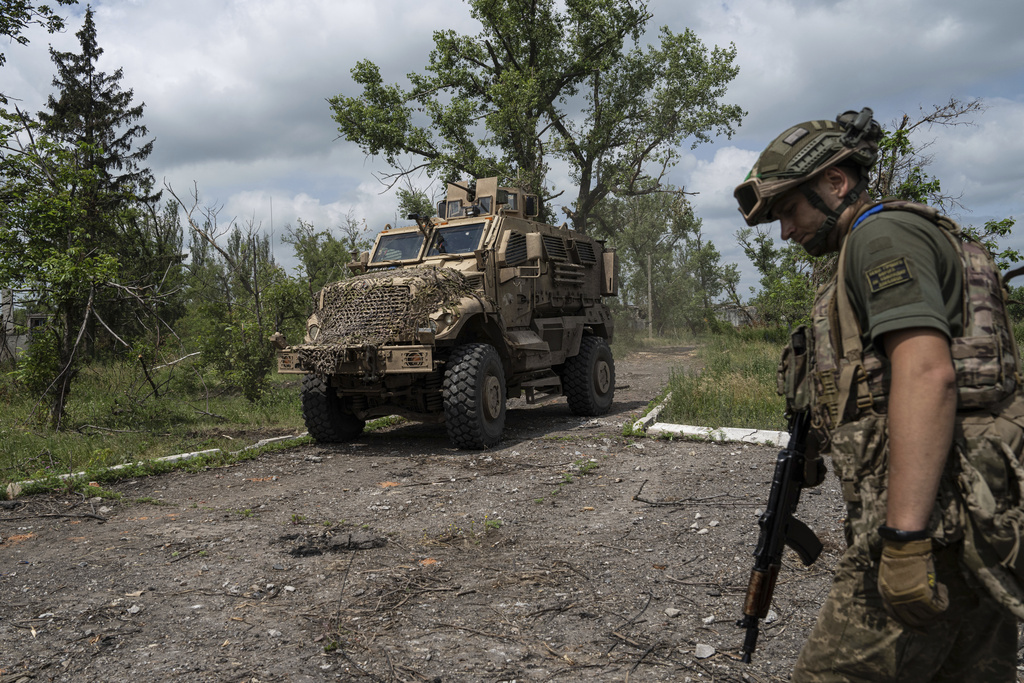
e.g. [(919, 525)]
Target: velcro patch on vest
[(889, 274)]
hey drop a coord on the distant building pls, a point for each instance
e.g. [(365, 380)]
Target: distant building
[(737, 316), (35, 321), (12, 344)]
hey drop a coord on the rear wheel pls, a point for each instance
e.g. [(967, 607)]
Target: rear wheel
[(588, 378), (328, 417), (474, 396)]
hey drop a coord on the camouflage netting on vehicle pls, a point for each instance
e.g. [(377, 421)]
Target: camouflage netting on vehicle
[(372, 309)]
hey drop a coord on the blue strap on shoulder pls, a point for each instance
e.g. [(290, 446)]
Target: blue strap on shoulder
[(869, 212)]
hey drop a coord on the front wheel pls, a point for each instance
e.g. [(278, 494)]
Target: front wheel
[(474, 396), (588, 378), (328, 417)]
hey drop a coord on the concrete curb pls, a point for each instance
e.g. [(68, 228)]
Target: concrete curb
[(660, 430), (644, 423), (14, 488), (758, 436)]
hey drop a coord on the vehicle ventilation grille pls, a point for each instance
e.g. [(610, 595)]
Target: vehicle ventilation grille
[(569, 274), (475, 281), (586, 252), (555, 247), (515, 250)]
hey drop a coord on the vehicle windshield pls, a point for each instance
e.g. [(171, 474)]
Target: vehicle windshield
[(398, 247), (457, 239)]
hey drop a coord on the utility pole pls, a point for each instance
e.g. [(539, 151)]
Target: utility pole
[(650, 302)]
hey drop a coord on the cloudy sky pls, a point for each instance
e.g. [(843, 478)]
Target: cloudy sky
[(235, 92)]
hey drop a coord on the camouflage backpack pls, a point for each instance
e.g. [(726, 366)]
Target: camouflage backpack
[(841, 383)]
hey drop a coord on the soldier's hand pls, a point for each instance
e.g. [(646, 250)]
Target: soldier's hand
[(906, 580)]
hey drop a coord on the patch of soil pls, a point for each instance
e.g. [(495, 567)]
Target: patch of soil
[(568, 553)]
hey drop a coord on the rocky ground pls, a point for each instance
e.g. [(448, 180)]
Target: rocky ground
[(568, 553)]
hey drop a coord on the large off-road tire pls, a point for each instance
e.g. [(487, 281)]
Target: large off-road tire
[(327, 416), (588, 378), (474, 396)]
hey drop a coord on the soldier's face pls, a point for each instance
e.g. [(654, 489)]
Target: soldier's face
[(798, 219)]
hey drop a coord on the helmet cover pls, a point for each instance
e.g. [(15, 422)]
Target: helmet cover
[(801, 153)]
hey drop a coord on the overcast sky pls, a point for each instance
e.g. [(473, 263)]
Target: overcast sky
[(235, 93)]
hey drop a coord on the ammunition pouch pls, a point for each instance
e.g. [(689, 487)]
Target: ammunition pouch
[(792, 377)]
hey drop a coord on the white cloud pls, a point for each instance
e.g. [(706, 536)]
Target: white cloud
[(983, 162)]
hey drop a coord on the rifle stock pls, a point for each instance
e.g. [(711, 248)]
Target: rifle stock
[(779, 528)]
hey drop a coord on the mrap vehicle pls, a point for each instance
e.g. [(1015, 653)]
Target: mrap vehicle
[(445, 319)]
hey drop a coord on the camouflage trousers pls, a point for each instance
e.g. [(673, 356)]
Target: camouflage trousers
[(854, 640)]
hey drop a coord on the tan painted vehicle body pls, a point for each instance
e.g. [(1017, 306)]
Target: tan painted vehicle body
[(432, 306)]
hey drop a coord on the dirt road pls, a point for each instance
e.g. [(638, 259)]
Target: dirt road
[(569, 553)]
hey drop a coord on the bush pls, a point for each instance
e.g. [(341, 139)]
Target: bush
[(735, 388), (40, 363)]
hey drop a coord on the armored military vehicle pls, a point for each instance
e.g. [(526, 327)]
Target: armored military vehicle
[(445, 319)]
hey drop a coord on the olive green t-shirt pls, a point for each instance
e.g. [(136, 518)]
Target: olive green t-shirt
[(903, 272)]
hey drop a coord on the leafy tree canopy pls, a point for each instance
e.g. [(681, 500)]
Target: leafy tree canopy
[(18, 15), (545, 80)]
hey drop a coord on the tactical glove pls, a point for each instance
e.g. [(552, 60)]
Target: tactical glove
[(906, 580)]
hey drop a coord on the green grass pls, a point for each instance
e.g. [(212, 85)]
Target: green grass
[(627, 341), (735, 388), (112, 419)]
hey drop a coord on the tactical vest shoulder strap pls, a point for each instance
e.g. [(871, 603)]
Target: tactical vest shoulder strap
[(850, 346)]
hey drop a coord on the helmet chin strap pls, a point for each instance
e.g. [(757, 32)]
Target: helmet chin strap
[(815, 244)]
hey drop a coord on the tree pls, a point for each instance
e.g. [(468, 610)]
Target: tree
[(45, 248), (412, 201), (787, 278), (324, 258), (18, 15), (91, 108), (663, 252), (899, 171), (72, 189), (640, 110), (506, 101), (238, 297), (990, 234)]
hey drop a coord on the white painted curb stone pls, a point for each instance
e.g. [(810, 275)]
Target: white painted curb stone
[(656, 430), (14, 488), (758, 436)]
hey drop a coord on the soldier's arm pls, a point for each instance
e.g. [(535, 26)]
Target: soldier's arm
[(922, 407)]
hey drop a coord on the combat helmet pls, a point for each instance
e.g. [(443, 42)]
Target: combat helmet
[(801, 153)]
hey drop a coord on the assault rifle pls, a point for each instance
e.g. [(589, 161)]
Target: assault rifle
[(779, 528)]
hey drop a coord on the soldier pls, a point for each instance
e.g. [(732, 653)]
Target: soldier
[(883, 389)]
